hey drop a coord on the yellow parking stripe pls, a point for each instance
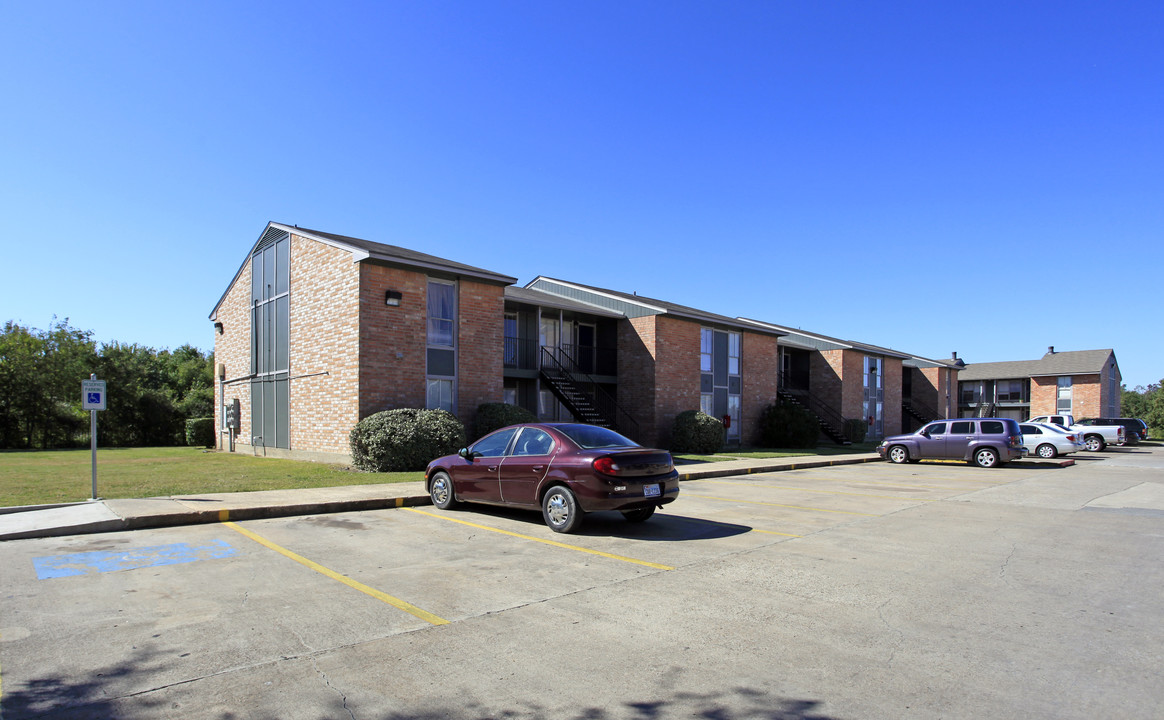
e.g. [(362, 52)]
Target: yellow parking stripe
[(547, 542), (830, 492), (793, 507), (383, 597)]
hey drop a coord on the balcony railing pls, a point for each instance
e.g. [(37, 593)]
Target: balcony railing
[(522, 354)]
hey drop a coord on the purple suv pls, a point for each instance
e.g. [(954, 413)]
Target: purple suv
[(985, 442)]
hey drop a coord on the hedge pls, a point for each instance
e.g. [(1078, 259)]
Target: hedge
[(200, 432), (696, 432), (404, 439)]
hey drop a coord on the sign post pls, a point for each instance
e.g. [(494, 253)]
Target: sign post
[(93, 399)]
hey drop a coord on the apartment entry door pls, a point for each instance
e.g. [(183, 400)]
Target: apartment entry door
[(585, 347)]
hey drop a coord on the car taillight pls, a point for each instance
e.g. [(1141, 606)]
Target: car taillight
[(1070, 438), (606, 466), (1016, 440)]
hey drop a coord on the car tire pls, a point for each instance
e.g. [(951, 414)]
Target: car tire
[(897, 454), (1094, 443), (440, 490), (560, 510), (1047, 451), (639, 515), (986, 458)]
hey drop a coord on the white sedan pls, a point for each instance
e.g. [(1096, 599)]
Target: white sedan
[(1047, 440)]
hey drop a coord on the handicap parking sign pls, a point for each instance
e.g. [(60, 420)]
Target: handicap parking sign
[(92, 394)]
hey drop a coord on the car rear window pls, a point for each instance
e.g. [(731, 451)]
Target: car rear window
[(992, 427), (590, 437), (961, 427)]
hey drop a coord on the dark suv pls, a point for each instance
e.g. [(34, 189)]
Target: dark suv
[(985, 442), (1135, 429)]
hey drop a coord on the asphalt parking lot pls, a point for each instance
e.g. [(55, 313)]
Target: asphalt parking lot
[(864, 591)]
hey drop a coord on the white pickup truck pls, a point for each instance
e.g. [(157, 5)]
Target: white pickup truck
[(1095, 437)]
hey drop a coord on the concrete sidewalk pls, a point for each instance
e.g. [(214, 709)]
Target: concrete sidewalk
[(137, 513)]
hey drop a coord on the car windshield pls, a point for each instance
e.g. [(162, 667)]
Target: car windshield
[(590, 437)]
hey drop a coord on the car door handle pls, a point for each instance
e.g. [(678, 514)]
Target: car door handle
[(492, 468), (537, 468)]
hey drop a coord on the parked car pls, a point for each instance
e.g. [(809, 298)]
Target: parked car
[(985, 442), (1135, 429), (1095, 437), (1047, 440), (566, 469)]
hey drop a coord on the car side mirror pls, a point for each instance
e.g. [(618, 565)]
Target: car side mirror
[(924, 433), (466, 453)]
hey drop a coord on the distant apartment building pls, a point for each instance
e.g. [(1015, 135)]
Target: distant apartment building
[(1083, 383)]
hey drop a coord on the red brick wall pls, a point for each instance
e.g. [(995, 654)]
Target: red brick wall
[(853, 384), (760, 366), (676, 373), (636, 373), (825, 375), (891, 407), (1044, 390), (232, 349), (480, 347), (324, 346), (392, 340)]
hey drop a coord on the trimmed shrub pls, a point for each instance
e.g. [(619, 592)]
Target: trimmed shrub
[(404, 439), (492, 416), (200, 432), (855, 429), (784, 425), (696, 432)]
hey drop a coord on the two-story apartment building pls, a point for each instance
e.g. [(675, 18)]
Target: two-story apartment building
[(1083, 383)]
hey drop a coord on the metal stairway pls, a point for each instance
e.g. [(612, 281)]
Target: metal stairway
[(831, 423), (561, 374)]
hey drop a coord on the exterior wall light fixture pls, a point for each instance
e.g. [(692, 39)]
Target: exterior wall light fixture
[(218, 327), (392, 298)]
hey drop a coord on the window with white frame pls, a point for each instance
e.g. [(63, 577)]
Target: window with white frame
[(441, 356), (1063, 396)]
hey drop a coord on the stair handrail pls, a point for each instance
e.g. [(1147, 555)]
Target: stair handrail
[(821, 408), (921, 408), (604, 402)]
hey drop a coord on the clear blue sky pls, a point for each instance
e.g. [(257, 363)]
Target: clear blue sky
[(858, 169)]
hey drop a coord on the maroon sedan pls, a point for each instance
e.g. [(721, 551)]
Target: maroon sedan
[(566, 469)]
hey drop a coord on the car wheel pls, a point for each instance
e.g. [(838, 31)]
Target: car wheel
[(1046, 451), (1094, 443), (441, 491), (560, 510), (898, 454), (639, 515), (985, 457)]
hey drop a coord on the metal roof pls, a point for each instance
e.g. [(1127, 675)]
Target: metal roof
[(530, 296), (816, 341), (635, 305)]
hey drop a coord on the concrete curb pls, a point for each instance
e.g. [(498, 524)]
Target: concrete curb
[(202, 517), (753, 469)]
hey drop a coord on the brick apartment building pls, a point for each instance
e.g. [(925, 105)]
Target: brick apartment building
[(1083, 383), (840, 380), (318, 330)]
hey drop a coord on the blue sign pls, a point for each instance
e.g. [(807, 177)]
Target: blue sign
[(92, 394)]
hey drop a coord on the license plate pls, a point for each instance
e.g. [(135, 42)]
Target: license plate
[(651, 490)]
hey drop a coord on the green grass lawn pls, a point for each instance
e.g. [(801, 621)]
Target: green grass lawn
[(56, 476)]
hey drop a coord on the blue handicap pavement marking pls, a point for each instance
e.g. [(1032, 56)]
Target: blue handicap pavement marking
[(90, 563)]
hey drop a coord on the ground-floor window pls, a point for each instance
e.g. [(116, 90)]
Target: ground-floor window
[(1063, 396), (439, 395)]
